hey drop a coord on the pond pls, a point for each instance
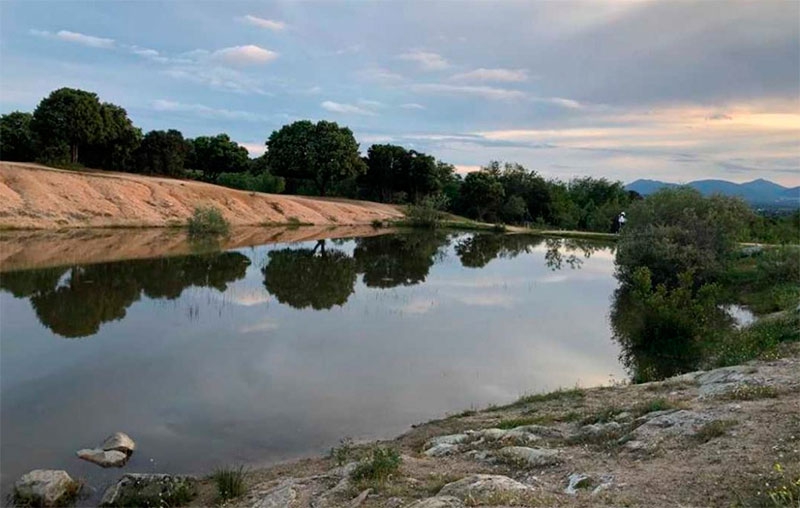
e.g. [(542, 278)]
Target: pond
[(260, 354)]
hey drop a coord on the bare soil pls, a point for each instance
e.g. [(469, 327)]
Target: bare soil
[(38, 197)]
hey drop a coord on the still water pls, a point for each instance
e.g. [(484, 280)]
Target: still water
[(274, 352)]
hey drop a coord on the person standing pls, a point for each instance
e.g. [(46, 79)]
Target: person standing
[(621, 221)]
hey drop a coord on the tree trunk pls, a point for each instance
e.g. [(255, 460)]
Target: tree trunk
[(73, 155)]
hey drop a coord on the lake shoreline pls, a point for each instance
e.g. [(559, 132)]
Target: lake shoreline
[(706, 431)]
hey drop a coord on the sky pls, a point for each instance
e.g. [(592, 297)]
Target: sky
[(671, 90)]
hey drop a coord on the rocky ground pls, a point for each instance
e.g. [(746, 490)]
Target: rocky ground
[(702, 439), (709, 438)]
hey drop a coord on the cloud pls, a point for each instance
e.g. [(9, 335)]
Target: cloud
[(218, 78), (412, 105), (77, 38), (379, 75), (497, 75), (426, 60), (486, 92), (262, 326), (205, 111), (255, 149), (463, 169), (338, 107), (243, 55), (269, 24)]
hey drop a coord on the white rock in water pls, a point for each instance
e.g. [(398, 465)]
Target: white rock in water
[(105, 458), (45, 487), (532, 456), (120, 442)]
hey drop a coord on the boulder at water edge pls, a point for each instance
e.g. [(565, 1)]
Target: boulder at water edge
[(45, 487)]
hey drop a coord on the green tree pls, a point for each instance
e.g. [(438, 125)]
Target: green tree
[(17, 142), (482, 195), (218, 154), (162, 153), (678, 230), (386, 165), (115, 147), (322, 153), (68, 118)]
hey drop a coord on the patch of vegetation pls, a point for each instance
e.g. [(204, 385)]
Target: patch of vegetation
[(229, 482), (759, 340), (377, 223), (377, 466), (344, 452), (603, 416), (428, 212), (512, 423), (207, 221), (651, 406), (752, 392), (715, 429), (263, 182), (560, 394), (784, 491)]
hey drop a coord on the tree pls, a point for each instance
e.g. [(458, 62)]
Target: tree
[(17, 142), (218, 154), (482, 194), (68, 117), (323, 153), (678, 230), (386, 165), (162, 153), (117, 143)]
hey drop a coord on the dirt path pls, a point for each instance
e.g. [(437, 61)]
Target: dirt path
[(38, 197)]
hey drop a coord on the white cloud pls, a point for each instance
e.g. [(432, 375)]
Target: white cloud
[(338, 107), (205, 111), (412, 105), (243, 55), (77, 38), (463, 169), (426, 60), (487, 92), (262, 326), (497, 75), (379, 75), (269, 24), (218, 78), (255, 149)]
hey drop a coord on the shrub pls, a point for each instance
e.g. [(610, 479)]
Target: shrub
[(711, 430), (206, 221), (428, 212), (262, 182), (377, 466), (342, 453), (230, 482)]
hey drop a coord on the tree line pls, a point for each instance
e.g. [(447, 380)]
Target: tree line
[(72, 128)]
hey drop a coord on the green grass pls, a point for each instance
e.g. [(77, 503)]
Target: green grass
[(759, 340), (344, 452), (229, 482), (207, 221), (560, 394), (512, 423), (712, 430), (651, 406), (752, 392), (377, 466)]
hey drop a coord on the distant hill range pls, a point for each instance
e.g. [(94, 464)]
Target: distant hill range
[(759, 193)]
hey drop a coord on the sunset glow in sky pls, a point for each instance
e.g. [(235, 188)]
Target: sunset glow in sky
[(671, 90)]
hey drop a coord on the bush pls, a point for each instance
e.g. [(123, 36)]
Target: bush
[(263, 182), (377, 466), (230, 482), (207, 221), (428, 212)]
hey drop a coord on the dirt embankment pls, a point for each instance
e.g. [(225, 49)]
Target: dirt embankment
[(38, 197)]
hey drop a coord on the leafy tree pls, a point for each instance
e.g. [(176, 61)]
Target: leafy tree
[(68, 118), (322, 153), (17, 142), (162, 153), (307, 278), (678, 230), (218, 154), (482, 195), (119, 139), (386, 167)]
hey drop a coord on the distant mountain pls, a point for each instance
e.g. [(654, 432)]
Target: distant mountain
[(758, 192)]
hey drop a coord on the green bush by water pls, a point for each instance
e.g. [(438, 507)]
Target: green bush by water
[(207, 221)]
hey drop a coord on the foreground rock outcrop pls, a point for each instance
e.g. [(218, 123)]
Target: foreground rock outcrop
[(45, 487)]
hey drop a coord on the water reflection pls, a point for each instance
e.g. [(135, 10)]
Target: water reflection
[(74, 302)]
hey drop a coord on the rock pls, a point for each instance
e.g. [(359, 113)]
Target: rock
[(45, 487), (120, 442), (358, 500), (135, 489), (451, 439), (280, 496), (623, 417), (110, 458), (393, 502), (536, 457), (674, 423), (606, 481), (599, 429), (437, 502), (440, 450), (577, 481), (487, 489), (493, 434)]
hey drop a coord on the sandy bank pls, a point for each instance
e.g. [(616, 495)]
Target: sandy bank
[(38, 197)]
